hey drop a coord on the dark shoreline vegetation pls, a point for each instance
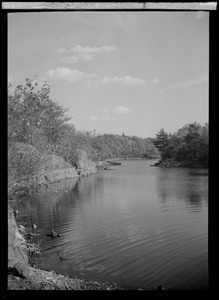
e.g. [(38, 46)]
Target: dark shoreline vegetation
[(43, 147)]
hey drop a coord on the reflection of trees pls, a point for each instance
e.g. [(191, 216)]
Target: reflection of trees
[(195, 200), (43, 208), (87, 187), (183, 184), (54, 208)]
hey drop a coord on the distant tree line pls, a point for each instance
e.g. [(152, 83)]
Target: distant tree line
[(36, 119), (191, 142)]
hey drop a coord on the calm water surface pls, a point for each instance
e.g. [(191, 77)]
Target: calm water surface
[(139, 226)]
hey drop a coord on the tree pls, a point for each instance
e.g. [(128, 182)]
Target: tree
[(192, 137), (162, 141), (34, 118), (189, 142)]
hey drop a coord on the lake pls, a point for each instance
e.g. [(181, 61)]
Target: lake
[(137, 225)]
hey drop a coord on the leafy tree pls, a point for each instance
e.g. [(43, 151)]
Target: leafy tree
[(162, 142), (34, 118), (192, 137), (189, 142)]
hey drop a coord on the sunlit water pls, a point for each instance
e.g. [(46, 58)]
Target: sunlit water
[(139, 226)]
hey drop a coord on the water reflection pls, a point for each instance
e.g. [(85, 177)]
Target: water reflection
[(88, 186), (130, 225), (187, 185)]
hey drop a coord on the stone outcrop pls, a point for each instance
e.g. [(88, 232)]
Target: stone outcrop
[(84, 165), (53, 168), (16, 243), (170, 162), (114, 163), (102, 165), (167, 163)]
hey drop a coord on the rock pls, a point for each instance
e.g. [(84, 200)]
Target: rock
[(83, 163), (61, 255), (102, 165), (114, 163), (160, 288), (34, 226), (167, 163), (15, 212), (16, 242), (53, 234), (52, 168), (57, 175), (22, 228), (21, 269)]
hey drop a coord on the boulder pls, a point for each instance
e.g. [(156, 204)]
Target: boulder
[(83, 163), (16, 243), (114, 163), (21, 270), (102, 164)]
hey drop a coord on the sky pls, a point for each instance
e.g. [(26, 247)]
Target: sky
[(132, 72)]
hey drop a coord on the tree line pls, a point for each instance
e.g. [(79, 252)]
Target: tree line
[(37, 120), (191, 142)]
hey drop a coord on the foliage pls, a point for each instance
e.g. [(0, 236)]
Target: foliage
[(23, 164), (36, 120), (189, 143)]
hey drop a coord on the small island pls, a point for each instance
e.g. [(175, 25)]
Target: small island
[(188, 147)]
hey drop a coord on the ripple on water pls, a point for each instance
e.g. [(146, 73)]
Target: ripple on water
[(139, 226)]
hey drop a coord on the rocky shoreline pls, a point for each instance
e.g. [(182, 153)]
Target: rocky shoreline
[(170, 162), (21, 274)]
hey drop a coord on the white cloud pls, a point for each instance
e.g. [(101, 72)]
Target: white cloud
[(85, 56), (155, 81), (107, 117), (68, 74), (126, 80), (61, 50), (93, 118), (75, 58), (83, 53), (81, 49), (72, 59), (188, 83), (121, 110)]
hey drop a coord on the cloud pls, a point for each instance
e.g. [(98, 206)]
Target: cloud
[(156, 81), (68, 74), (126, 80), (107, 117), (121, 110), (72, 59), (61, 50), (75, 58), (188, 83), (93, 118), (102, 49), (83, 53)]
